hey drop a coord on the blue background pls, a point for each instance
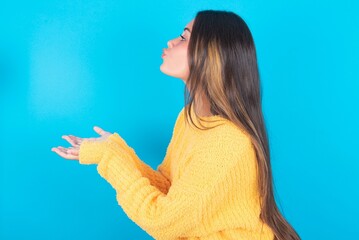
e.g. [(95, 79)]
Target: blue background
[(67, 65)]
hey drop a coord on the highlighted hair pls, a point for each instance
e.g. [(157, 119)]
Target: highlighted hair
[(223, 67)]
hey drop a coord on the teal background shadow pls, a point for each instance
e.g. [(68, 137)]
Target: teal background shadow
[(66, 66)]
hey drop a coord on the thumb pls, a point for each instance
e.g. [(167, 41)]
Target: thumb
[(99, 130)]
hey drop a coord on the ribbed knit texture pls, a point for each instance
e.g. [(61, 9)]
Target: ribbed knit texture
[(205, 188)]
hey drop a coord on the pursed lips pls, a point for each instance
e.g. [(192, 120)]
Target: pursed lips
[(164, 52)]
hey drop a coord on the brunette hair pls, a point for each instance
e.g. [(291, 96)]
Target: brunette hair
[(223, 66)]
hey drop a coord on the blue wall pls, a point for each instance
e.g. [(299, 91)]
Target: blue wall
[(66, 66)]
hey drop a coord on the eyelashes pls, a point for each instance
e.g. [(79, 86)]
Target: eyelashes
[(182, 37)]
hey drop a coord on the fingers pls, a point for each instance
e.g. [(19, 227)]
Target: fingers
[(99, 130), (74, 141), (73, 151), (71, 154)]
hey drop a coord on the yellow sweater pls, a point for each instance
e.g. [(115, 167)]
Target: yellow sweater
[(205, 188)]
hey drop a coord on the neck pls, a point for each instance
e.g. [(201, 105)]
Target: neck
[(203, 107)]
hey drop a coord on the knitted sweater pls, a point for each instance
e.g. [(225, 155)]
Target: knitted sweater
[(205, 188)]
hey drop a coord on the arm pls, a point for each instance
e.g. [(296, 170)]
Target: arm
[(181, 211), (91, 152)]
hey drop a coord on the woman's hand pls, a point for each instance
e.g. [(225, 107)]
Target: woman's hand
[(73, 152)]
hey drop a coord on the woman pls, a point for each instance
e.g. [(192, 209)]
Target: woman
[(215, 181)]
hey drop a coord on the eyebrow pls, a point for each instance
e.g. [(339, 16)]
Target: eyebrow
[(186, 29)]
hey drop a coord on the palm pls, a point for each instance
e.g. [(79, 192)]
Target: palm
[(73, 152)]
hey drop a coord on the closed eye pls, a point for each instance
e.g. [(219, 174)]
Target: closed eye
[(182, 37)]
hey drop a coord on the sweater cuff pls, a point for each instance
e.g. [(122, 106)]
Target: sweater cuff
[(91, 152)]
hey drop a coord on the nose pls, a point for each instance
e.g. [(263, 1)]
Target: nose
[(170, 43)]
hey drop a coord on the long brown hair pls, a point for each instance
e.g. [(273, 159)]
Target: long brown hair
[(223, 66)]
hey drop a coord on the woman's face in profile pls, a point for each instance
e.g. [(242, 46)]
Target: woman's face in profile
[(175, 62)]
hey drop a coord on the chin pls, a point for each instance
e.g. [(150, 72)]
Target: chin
[(165, 71), (172, 74)]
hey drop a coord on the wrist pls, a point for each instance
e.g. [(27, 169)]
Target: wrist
[(91, 152)]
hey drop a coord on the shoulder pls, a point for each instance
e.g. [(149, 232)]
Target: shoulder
[(222, 149), (226, 139), (227, 132)]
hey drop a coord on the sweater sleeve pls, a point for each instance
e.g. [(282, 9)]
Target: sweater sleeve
[(91, 152), (181, 211)]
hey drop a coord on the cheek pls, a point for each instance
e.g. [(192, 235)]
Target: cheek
[(176, 62), (179, 56)]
